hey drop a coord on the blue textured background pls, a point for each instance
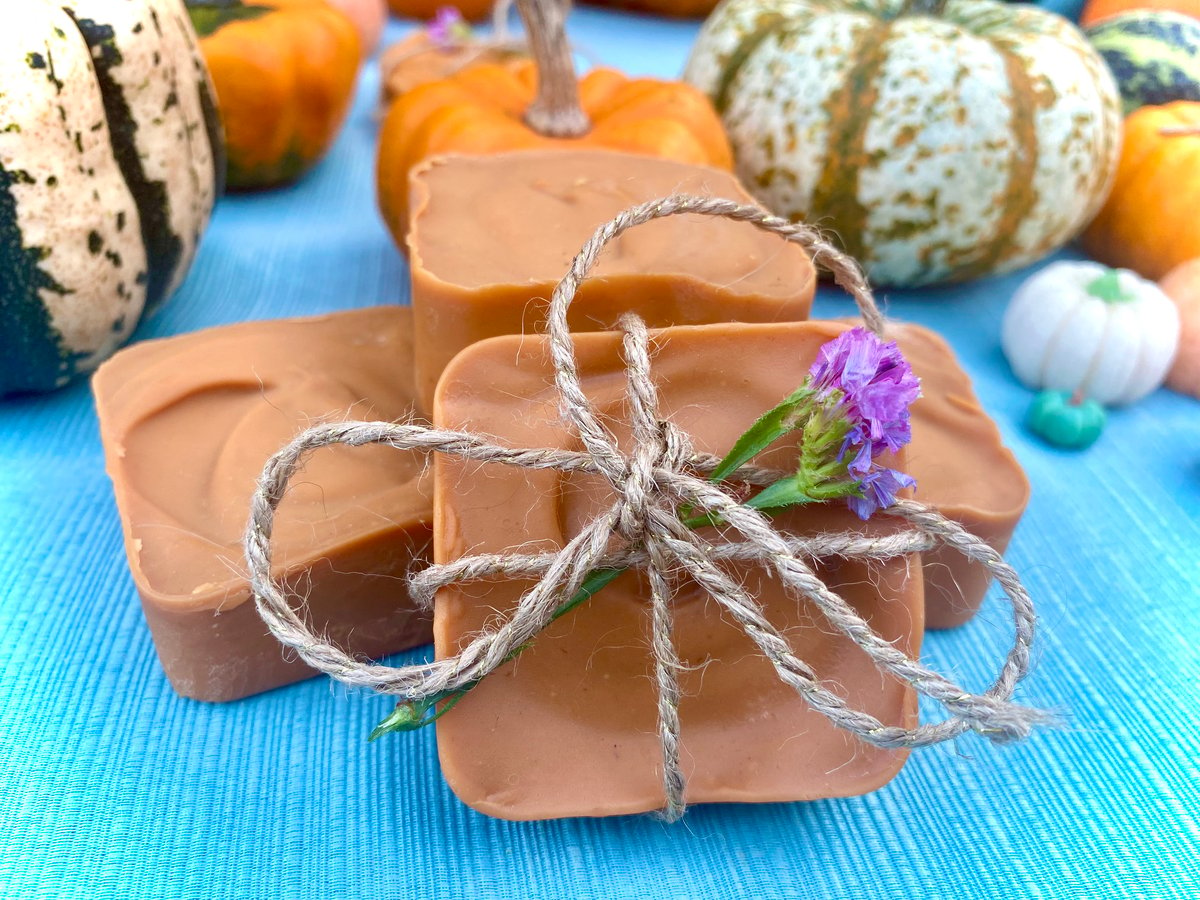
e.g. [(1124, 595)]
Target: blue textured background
[(111, 786)]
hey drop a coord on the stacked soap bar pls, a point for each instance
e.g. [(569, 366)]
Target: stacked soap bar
[(490, 237), (188, 423), (569, 728)]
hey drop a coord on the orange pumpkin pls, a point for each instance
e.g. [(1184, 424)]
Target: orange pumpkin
[(472, 10), (1098, 10), (1149, 223), (490, 108), (1182, 284), (284, 73)]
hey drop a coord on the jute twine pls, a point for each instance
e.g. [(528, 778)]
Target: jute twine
[(652, 482)]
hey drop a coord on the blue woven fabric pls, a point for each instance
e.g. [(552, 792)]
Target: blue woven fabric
[(111, 786)]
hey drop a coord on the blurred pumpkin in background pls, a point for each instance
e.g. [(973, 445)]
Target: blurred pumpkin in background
[(284, 73), (1150, 223), (940, 141), (369, 17), (1099, 10), (1154, 56), (1182, 285)]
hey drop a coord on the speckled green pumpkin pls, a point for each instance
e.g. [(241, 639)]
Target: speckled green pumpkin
[(937, 146), (110, 160), (1155, 56), (1058, 419)]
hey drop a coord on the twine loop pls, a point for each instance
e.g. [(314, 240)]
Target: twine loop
[(642, 529)]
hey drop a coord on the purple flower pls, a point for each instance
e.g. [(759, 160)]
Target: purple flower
[(877, 386), (447, 27), (879, 488)]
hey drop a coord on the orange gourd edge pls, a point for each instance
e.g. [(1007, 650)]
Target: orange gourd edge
[(1098, 10), (1148, 222), (490, 108), (284, 74)]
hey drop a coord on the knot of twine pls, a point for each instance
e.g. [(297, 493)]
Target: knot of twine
[(660, 475)]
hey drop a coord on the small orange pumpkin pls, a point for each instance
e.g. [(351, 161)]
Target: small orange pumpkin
[(1182, 284), (490, 108), (284, 73), (1098, 10), (1149, 223)]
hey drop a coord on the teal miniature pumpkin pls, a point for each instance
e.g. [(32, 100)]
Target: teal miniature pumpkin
[(110, 161), (1065, 421), (1154, 55), (939, 141)]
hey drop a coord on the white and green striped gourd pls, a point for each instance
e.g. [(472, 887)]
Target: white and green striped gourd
[(110, 161), (940, 141)]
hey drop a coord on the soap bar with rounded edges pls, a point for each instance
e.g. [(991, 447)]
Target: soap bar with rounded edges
[(568, 728), (962, 468), (188, 423), (490, 237)]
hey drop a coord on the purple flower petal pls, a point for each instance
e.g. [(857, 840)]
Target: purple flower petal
[(442, 30), (879, 487), (877, 387)]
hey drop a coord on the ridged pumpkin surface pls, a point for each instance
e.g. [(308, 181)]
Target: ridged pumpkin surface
[(937, 148), (110, 160)]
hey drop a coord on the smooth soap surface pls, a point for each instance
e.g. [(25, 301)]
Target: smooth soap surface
[(188, 423), (490, 237), (568, 729), (962, 468)]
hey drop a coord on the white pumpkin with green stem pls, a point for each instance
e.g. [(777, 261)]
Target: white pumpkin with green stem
[(1106, 334), (939, 139)]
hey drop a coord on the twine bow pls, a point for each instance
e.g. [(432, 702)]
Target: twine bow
[(661, 475)]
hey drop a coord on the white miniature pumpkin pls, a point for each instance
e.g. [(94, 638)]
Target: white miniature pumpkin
[(1107, 334)]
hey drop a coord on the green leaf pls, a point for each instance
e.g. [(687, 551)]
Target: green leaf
[(770, 427), (209, 16), (789, 491), (405, 717)]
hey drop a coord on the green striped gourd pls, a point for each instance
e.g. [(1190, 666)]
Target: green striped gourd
[(110, 154), (1155, 56), (940, 142)]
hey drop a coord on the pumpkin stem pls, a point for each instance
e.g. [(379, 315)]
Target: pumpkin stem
[(1107, 287), (556, 111)]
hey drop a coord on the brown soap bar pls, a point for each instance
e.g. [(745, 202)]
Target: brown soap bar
[(963, 468), (490, 237), (187, 424), (568, 729)]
